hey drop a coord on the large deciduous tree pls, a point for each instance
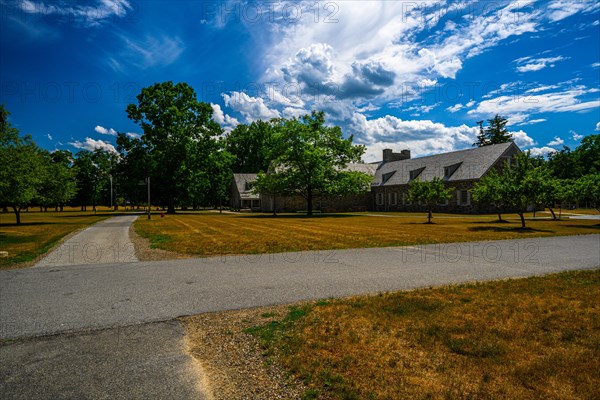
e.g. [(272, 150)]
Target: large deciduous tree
[(310, 158), (252, 145), (429, 193), (174, 123)]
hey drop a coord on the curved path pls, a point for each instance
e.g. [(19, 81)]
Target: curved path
[(41, 301), (102, 243), (141, 353)]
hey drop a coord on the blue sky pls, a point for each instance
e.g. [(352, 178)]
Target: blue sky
[(394, 74)]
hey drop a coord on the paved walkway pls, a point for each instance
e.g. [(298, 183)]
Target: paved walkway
[(137, 362), (104, 242), (41, 301)]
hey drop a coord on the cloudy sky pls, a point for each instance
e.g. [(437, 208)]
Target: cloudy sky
[(395, 74)]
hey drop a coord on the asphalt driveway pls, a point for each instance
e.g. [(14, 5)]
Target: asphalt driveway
[(42, 301)]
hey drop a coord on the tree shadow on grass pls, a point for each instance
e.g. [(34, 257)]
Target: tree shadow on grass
[(506, 229), (14, 225), (298, 216)]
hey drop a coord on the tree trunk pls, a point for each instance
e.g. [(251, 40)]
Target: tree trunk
[(429, 216), (499, 217), (552, 212), (274, 205), (41, 208), (309, 203), (171, 206), (522, 220), (17, 211)]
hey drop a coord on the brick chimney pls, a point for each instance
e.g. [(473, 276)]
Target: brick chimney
[(389, 155)]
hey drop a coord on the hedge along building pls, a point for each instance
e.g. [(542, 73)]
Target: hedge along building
[(459, 169)]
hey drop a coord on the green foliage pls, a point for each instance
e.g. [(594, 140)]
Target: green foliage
[(428, 193), (179, 138), (588, 189), (22, 167), (309, 160), (489, 191), (252, 145), (92, 173), (495, 133)]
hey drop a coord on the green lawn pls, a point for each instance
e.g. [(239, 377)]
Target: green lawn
[(210, 233), (535, 338), (39, 232)]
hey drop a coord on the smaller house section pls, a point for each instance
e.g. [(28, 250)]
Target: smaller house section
[(242, 195)]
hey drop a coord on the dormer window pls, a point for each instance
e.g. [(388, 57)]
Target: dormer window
[(248, 186), (450, 170), (414, 174), (386, 177)]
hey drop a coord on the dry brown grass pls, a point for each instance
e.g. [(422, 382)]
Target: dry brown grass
[(39, 232), (535, 338), (208, 234)]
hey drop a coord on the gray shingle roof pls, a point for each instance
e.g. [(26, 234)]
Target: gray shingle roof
[(240, 182), (369, 169), (467, 164)]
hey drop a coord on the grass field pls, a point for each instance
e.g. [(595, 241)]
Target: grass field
[(39, 232), (535, 338), (209, 233)]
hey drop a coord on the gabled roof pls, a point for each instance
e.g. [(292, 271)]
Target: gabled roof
[(241, 181), (369, 169), (469, 164)]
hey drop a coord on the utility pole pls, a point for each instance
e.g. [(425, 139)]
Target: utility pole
[(111, 184), (148, 181)]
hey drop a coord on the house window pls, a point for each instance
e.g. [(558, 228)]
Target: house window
[(248, 186), (380, 199), (450, 170), (464, 198), (414, 174), (393, 198)]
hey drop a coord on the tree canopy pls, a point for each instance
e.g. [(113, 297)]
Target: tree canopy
[(429, 193), (309, 159), (179, 136), (495, 133)]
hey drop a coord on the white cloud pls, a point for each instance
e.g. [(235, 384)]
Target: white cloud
[(568, 100), (252, 108), (576, 136), (556, 142), (49, 136), (536, 64), (598, 126), (561, 9), (522, 139), (102, 130), (422, 137), (133, 135), (91, 145), (596, 65), (149, 51), (87, 14), (533, 121), (455, 108), (541, 151), (227, 122)]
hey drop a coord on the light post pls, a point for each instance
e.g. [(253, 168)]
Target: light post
[(148, 182)]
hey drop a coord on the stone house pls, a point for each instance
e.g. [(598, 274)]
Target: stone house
[(391, 178), (459, 169), (241, 194), (360, 202)]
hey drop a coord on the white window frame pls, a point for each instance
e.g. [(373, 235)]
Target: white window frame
[(392, 198), (380, 199)]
